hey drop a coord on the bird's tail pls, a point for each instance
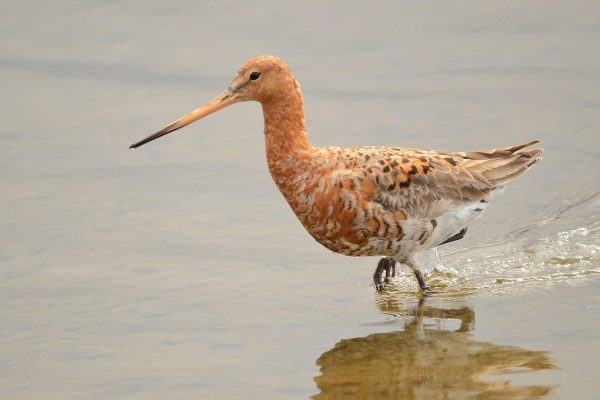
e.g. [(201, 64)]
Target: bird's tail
[(500, 166)]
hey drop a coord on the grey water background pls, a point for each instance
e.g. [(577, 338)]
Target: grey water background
[(178, 270)]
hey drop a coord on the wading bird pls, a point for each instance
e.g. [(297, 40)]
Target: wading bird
[(365, 201)]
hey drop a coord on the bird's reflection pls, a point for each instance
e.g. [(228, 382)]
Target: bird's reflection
[(426, 360)]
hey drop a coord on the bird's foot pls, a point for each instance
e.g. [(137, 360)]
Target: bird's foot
[(387, 265)]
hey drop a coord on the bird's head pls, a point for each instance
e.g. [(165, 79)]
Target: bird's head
[(262, 78)]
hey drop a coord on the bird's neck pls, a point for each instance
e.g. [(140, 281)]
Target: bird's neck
[(286, 141), (285, 134)]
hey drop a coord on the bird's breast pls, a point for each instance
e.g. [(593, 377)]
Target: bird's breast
[(337, 209)]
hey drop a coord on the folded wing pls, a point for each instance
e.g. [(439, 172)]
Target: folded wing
[(425, 183)]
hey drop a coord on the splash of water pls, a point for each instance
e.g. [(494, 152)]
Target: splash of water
[(512, 264)]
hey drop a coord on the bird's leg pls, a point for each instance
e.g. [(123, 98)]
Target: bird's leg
[(413, 265), (387, 264), (391, 272), (422, 284)]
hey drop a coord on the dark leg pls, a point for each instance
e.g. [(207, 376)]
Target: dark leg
[(387, 264), (421, 281), (412, 263), (391, 272), (458, 236)]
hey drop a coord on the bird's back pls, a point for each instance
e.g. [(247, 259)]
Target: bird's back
[(396, 201)]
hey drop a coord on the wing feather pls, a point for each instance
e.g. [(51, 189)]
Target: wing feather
[(417, 180)]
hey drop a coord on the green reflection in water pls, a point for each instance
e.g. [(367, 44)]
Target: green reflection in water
[(426, 361)]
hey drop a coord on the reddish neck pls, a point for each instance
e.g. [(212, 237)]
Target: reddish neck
[(286, 141), (287, 147)]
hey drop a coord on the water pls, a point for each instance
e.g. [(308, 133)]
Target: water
[(178, 270)]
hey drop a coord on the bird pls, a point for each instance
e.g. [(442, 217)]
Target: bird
[(391, 202)]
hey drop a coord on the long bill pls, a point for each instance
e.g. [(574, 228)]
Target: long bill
[(223, 100)]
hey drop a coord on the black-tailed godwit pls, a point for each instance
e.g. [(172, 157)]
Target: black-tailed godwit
[(365, 201)]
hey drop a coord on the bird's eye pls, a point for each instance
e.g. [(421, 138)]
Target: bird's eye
[(254, 76)]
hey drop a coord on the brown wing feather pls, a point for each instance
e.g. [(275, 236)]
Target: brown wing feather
[(506, 164), (496, 153), (415, 180)]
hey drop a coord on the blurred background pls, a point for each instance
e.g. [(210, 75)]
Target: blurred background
[(178, 270)]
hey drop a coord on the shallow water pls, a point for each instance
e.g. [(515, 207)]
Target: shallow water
[(179, 271)]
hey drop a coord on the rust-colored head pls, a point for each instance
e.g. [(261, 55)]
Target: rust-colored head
[(261, 78)]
